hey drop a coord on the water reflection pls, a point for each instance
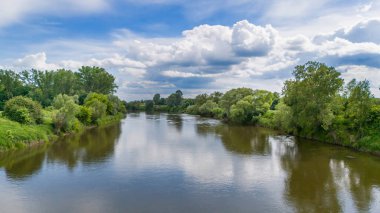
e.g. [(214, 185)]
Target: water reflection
[(310, 186), (23, 164), (193, 164), (175, 120), (94, 146)]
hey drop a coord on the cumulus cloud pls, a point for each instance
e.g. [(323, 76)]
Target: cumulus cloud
[(35, 61), (216, 57), (251, 40)]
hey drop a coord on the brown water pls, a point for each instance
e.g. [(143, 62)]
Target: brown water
[(182, 163)]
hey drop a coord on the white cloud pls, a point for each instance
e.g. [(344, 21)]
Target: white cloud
[(35, 61), (361, 73), (209, 57), (13, 11), (251, 40)]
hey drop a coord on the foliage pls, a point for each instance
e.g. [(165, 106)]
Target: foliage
[(23, 110), (156, 99), (358, 105), (10, 86), (149, 105), (71, 100), (207, 109), (312, 96), (64, 120), (232, 96), (96, 79), (175, 99)]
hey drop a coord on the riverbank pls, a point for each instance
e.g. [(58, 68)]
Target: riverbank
[(14, 135)]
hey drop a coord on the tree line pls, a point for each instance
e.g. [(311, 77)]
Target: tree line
[(315, 104), (65, 99)]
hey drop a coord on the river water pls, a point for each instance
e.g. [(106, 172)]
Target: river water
[(183, 163)]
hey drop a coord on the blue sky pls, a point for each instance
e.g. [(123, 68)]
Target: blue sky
[(206, 45)]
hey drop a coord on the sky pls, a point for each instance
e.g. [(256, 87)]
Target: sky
[(159, 46)]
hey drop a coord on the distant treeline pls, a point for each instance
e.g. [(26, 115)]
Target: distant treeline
[(315, 104), (61, 99)]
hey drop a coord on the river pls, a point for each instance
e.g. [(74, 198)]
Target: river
[(182, 163)]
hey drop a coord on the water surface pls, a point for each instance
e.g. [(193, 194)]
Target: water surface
[(182, 163)]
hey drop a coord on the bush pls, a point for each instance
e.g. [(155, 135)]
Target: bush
[(23, 110), (64, 120), (62, 100), (84, 115), (98, 109), (193, 109)]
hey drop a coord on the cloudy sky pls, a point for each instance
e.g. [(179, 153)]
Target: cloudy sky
[(162, 45)]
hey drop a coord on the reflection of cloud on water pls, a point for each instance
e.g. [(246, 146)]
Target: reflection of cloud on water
[(205, 160)]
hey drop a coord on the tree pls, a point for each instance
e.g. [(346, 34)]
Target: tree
[(156, 99), (359, 104), (10, 86), (242, 111), (207, 109), (201, 99), (149, 105), (65, 119), (311, 97), (98, 104), (232, 96), (262, 101), (96, 79), (174, 99)]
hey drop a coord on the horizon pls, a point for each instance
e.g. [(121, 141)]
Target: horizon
[(198, 48)]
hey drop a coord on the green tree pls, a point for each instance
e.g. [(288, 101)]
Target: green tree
[(96, 79), (359, 104), (156, 99), (174, 99), (208, 108), (312, 96), (11, 85), (262, 101), (65, 119), (98, 104), (232, 96), (242, 111), (149, 105)]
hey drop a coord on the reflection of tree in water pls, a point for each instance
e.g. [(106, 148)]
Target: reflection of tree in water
[(94, 146), (22, 164), (310, 186), (244, 140), (316, 172), (360, 175), (176, 120)]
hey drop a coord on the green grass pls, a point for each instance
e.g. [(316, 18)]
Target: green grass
[(15, 135)]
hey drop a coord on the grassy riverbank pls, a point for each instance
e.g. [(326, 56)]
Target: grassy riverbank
[(14, 135)]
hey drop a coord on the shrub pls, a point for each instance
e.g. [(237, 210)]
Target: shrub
[(84, 115), (62, 100), (23, 110), (64, 120), (98, 109)]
